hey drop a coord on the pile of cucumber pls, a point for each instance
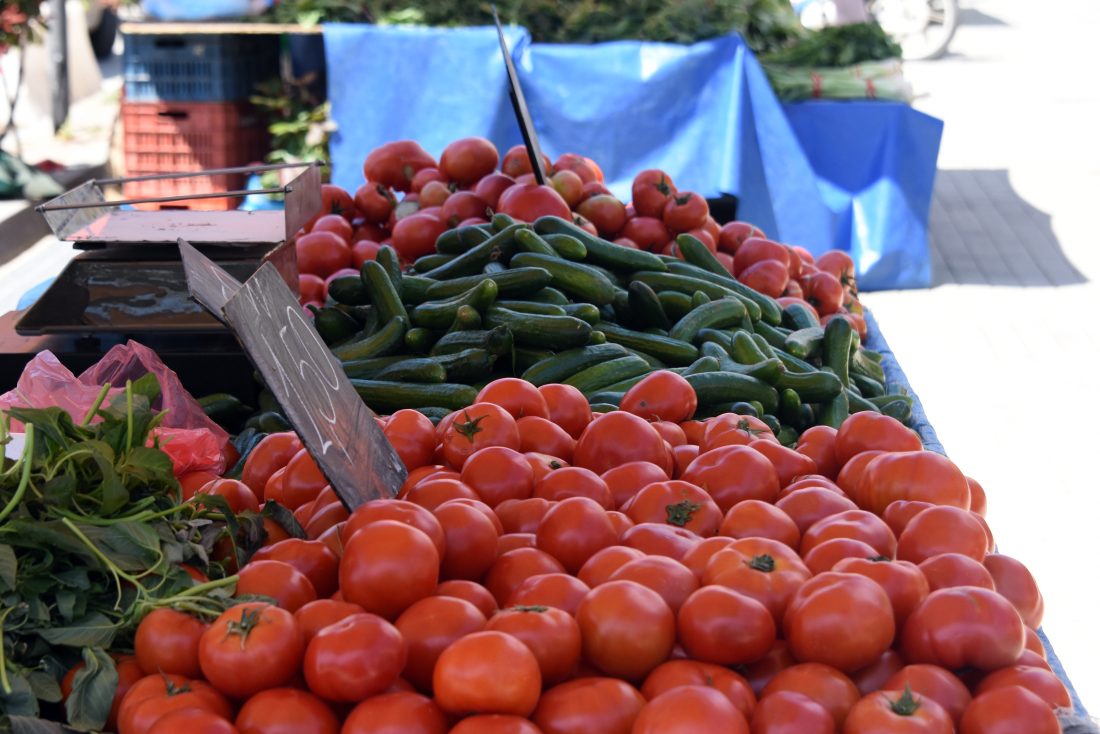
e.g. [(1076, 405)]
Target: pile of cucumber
[(550, 302)]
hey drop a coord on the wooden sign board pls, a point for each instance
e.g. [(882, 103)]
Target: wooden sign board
[(208, 283), (519, 105), (340, 432)]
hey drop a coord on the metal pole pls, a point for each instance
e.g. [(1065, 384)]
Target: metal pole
[(59, 63)]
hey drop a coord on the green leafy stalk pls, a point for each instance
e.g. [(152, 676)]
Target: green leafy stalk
[(25, 477)]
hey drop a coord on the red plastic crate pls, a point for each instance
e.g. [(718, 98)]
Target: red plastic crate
[(182, 137)]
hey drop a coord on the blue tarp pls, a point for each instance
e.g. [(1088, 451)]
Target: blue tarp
[(704, 113)]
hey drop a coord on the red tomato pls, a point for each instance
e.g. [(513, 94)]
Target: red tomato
[(601, 566), (690, 710), (471, 540), (236, 494), (518, 397), (402, 511), (719, 625), (904, 712), (311, 288), (817, 623), (286, 711), (606, 212), (696, 559), (364, 250), (312, 557), (557, 590), (873, 677), (669, 578), (899, 513), (198, 721), (766, 276), (249, 648), (651, 191), (497, 474), (528, 202), (733, 234), (661, 395), (316, 615), (569, 185), (730, 429), (658, 539), (401, 711), (685, 211), (592, 705), (731, 474), (912, 475), (387, 566), (838, 264), (335, 223), (679, 673), (487, 673), (625, 481), (155, 696), (394, 164), (1014, 582), (826, 555), (545, 437), (853, 524), (167, 642), (902, 581), (942, 530), (490, 188), (480, 425), (552, 635), (517, 162), (823, 684), (512, 568), (789, 712), (469, 591), (567, 407), (412, 436), (289, 587), (964, 626), (677, 503), (870, 431), (764, 569), (954, 569), (462, 206), (573, 481), (757, 250), (522, 516), (415, 235), (627, 629), (574, 529), (375, 202), (322, 253), (977, 497), (301, 482), (468, 159), (428, 627), (809, 505), (648, 233), (824, 292), (617, 438), (1008, 710), (789, 464), (758, 519), (355, 658), (584, 168), (425, 176)]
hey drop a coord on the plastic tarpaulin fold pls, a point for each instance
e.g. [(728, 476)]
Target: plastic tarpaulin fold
[(704, 113)]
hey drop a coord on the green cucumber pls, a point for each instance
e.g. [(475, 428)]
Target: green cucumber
[(718, 352), (417, 369), (567, 246), (498, 247), (698, 298), (857, 402), (434, 413), (834, 411), (333, 325), (528, 240), (790, 407), (549, 295), (383, 342), (575, 279), (466, 366), (512, 282), (772, 422), (623, 385), (799, 316), (868, 387), (898, 409), (812, 387), (763, 345), (701, 365), (386, 396), (603, 407), (365, 369), (414, 289), (387, 258), (805, 343), (383, 294), (441, 314), (607, 396), (597, 337), (459, 240), (546, 309), (682, 284), (467, 318), (882, 400), (726, 387), (501, 222), (654, 363), (770, 310), (646, 305), (668, 350), (598, 376), (523, 358), (496, 341), (774, 335), (601, 251), (583, 311), (723, 339), (745, 350), (560, 366), (349, 290), (837, 347), (787, 436), (696, 253), (867, 366), (719, 314), (675, 304), (419, 340), (544, 332), (793, 363), (426, 263)]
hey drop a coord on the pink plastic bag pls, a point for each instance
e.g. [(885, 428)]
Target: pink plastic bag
[(194, 442)]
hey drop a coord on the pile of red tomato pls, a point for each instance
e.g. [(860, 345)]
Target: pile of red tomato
[(466, 186), (544, 569)]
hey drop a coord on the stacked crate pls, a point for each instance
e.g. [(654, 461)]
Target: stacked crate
[(186, 109)]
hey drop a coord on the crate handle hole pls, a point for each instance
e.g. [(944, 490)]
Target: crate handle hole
[(174, 114), (169, 42)]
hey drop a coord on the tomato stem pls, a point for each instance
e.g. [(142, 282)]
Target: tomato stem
[(680, 513), (763, 562), (530, 608), (906, 705), (471, 427), (250, 618)]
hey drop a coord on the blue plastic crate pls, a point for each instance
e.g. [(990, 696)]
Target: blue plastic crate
[(197, 67)]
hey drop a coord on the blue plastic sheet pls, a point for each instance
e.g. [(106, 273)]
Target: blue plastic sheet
[(875, 164), (704, 113)]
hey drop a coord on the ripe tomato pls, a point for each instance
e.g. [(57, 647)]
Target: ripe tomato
[(289, 587), (659, 539), (934, 683), (763, 569), (552, 635), (977, 497), (826, 555), (696, 559), (788, 463), (731, 474), (286, 711), (569, 185), (573, 481), (574, 529), (557, 590), (517, 162), (902, 581), (913, 475), (838, 264), (312, 557), (301, 482), (495, 724), (809, 505), (401, 711), (607, 213), (512, 568), (412, 436), (649, 233), (618, 438), (249, 648), (954, 569), (415, 235), (567, 407), (322, 253), (730, 429), (757, 250), (545, 437), (626, 480), (690, 710), (236, 493), (526, 202), (824, 292), (497, 474), (335, 223), (733, 234), (434, 491), (661, 395), (316, 615), (904, 713), (853, 524), (823, 684), (767, 276), (518, 397), (685, 211), (601, 566), (198, 721), (1014, 582), (818, 622), (872, 677), (428, 627), (584, 168), (871, 431), (650, 192), (480, 425), (758, 519), (627, 629), (471, 539), (789, 712), (387, 566), (394, 164), (669, 578), (469, 591), (679, 673), (592, 705), (402, 511), (273, 452), (964, 626), (677, 503), (898, 513), (375, 202), (487, 673), (167, 642), (468, 159), (1008, 710), (355, 658), (154, 696), (719, 625), (312, 289), (489, 188), (522, 516)]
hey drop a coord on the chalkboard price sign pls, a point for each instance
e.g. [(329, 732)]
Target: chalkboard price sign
[(340, 431), (209, 284), (519, 106)]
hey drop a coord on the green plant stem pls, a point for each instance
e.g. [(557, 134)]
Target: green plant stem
[(129, 414), (24, 479), (96, 405), (107, 562), (5, 684)]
